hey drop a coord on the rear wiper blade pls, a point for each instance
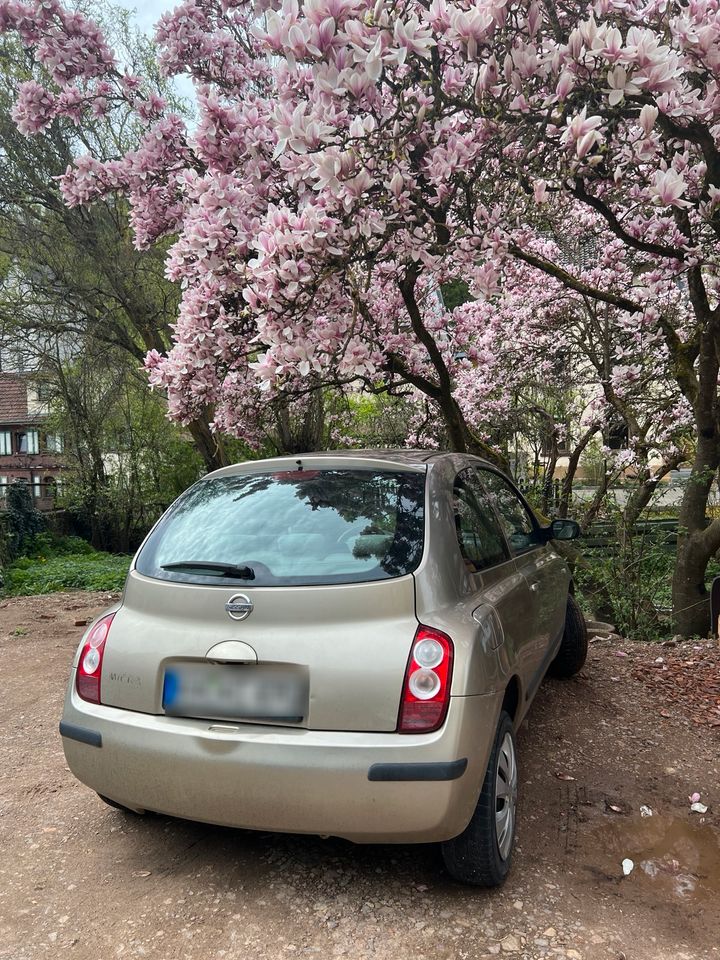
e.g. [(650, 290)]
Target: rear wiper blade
[(227, 569)]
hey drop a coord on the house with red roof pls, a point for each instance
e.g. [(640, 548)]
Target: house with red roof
[(30, 452)]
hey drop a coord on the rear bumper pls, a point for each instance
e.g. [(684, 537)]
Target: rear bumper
[(365, 787)]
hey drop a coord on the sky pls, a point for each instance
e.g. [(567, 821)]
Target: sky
[(147, 14), (148, 11)]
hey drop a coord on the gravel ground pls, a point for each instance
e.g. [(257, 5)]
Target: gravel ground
[(82, 880)]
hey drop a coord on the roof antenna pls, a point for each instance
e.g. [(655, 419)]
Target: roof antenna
[(299, 464)]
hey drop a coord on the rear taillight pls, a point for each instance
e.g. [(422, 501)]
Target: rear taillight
[(426, 690), (89, 668)]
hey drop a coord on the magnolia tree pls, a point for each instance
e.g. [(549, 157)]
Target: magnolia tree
[(571, 369), (350, 158)]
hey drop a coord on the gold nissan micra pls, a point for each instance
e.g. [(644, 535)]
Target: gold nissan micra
[(338, 644)]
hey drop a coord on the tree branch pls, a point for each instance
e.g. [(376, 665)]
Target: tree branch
[(567, 279), (617, 228)]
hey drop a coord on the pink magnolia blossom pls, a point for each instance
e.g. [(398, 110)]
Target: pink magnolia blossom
[(350, 158), (668, 187)]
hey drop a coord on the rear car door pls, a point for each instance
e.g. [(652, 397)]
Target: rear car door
[(542, 568), (502, 603)]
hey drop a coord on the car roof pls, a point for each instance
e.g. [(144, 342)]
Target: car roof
[(394, 454), (399, 455)]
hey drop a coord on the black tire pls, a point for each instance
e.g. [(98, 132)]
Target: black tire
[(573, 650), (474, 857)]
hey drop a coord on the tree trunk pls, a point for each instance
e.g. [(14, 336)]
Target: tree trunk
[(548, 491), (300, 433), (691, 599), (696, 545), (696, 541), (573, 463), (590, 515), (209, 445), (641, 497), (462, 439)]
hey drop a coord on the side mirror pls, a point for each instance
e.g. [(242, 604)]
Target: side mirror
[(564, 530)]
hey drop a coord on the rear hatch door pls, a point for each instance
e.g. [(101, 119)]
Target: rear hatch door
[(307, 618)]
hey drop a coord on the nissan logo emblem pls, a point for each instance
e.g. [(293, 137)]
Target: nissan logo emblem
[(239, 607)]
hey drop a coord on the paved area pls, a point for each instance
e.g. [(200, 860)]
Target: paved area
[(81, 880)]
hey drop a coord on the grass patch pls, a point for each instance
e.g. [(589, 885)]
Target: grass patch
[(53, 564)]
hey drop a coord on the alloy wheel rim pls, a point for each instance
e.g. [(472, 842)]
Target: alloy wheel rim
[(506, 781)]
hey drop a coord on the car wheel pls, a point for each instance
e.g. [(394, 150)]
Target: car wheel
[(573, 650), (482, 854)]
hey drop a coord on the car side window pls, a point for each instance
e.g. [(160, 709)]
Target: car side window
[(479, 535), (514, 515)]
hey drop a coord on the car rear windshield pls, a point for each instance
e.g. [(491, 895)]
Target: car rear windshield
[(291, 528)]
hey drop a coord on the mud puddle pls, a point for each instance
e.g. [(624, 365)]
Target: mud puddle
[(676, 857)]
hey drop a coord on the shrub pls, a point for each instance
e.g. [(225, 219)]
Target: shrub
[(24, 522), (53, 563), (83, 571), (629, 587)]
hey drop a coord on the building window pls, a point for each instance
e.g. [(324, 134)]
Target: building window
[(617, 435), (3, 487), (37, 488), (43, 390), (54, 443), (28, 442), (5, 443), (555, 438)]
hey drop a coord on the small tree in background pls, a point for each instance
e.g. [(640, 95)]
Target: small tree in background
[(23, 521)]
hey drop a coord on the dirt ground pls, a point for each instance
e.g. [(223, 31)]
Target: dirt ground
[(82, 880)]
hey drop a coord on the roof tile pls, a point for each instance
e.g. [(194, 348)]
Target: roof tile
[(13, 398)]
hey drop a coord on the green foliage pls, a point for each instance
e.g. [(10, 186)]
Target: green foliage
[(127, 461), (373, 420), (51, 545), (23, 520), (629, 586), (455, 293), (81, 304), (96, 571), (64, 563)]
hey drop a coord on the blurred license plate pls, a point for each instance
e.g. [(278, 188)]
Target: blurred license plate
[(220, 691)]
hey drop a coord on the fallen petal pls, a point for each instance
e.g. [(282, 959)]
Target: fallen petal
[(627, 867), (699, 808)]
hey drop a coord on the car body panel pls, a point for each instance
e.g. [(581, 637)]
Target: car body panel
[(282, 779), (449, 597), (547, 579), (352, 639)]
